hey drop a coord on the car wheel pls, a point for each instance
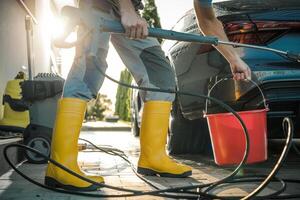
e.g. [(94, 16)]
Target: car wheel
[(188, 136)]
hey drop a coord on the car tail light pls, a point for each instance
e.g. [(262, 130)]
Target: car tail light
[(253, 32), (258, 32)]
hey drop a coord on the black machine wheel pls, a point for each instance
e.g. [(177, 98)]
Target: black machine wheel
[(188, 136), (135, 127), (39, 138)]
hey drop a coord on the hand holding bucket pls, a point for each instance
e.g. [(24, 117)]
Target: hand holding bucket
[(228, 138)]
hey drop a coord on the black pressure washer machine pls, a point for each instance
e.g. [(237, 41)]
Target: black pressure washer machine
[(41, 94)]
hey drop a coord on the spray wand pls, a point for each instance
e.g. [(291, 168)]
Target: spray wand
[(100, 24)]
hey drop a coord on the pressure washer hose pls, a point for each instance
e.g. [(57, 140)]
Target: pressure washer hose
[(229, 109), (179, 192)]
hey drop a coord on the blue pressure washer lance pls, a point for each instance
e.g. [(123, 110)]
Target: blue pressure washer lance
[(95, 24)]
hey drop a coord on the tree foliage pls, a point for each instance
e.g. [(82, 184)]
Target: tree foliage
[(97, 107), (122, 106), (151, 15)]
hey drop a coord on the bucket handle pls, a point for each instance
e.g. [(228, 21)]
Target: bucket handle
[(224, 79)]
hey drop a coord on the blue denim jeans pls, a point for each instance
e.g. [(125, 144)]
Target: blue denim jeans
[(144, 59)]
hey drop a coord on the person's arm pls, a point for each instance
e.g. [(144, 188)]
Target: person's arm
[(135, 26), (210, 25)]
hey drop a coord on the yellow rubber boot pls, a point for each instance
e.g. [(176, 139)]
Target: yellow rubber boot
[(64, 147), (154, 128)]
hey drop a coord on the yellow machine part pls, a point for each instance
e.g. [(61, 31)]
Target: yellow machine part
[(11, 117), (13, 89), (1, 112), (14, 118)]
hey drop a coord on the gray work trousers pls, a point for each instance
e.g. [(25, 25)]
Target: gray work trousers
[(144, 59)]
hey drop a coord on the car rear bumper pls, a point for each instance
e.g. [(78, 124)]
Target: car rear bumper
[(282, 97)]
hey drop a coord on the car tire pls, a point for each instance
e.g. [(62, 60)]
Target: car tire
[(188, 136), (136, 103), (135, 127)]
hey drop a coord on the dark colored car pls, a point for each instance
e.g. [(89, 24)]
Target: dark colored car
[(271, 23)]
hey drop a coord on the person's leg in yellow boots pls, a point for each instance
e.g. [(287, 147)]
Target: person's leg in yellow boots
[(153, 137), (64, 147)]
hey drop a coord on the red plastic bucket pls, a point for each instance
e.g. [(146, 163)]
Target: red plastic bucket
[(228, 138)]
